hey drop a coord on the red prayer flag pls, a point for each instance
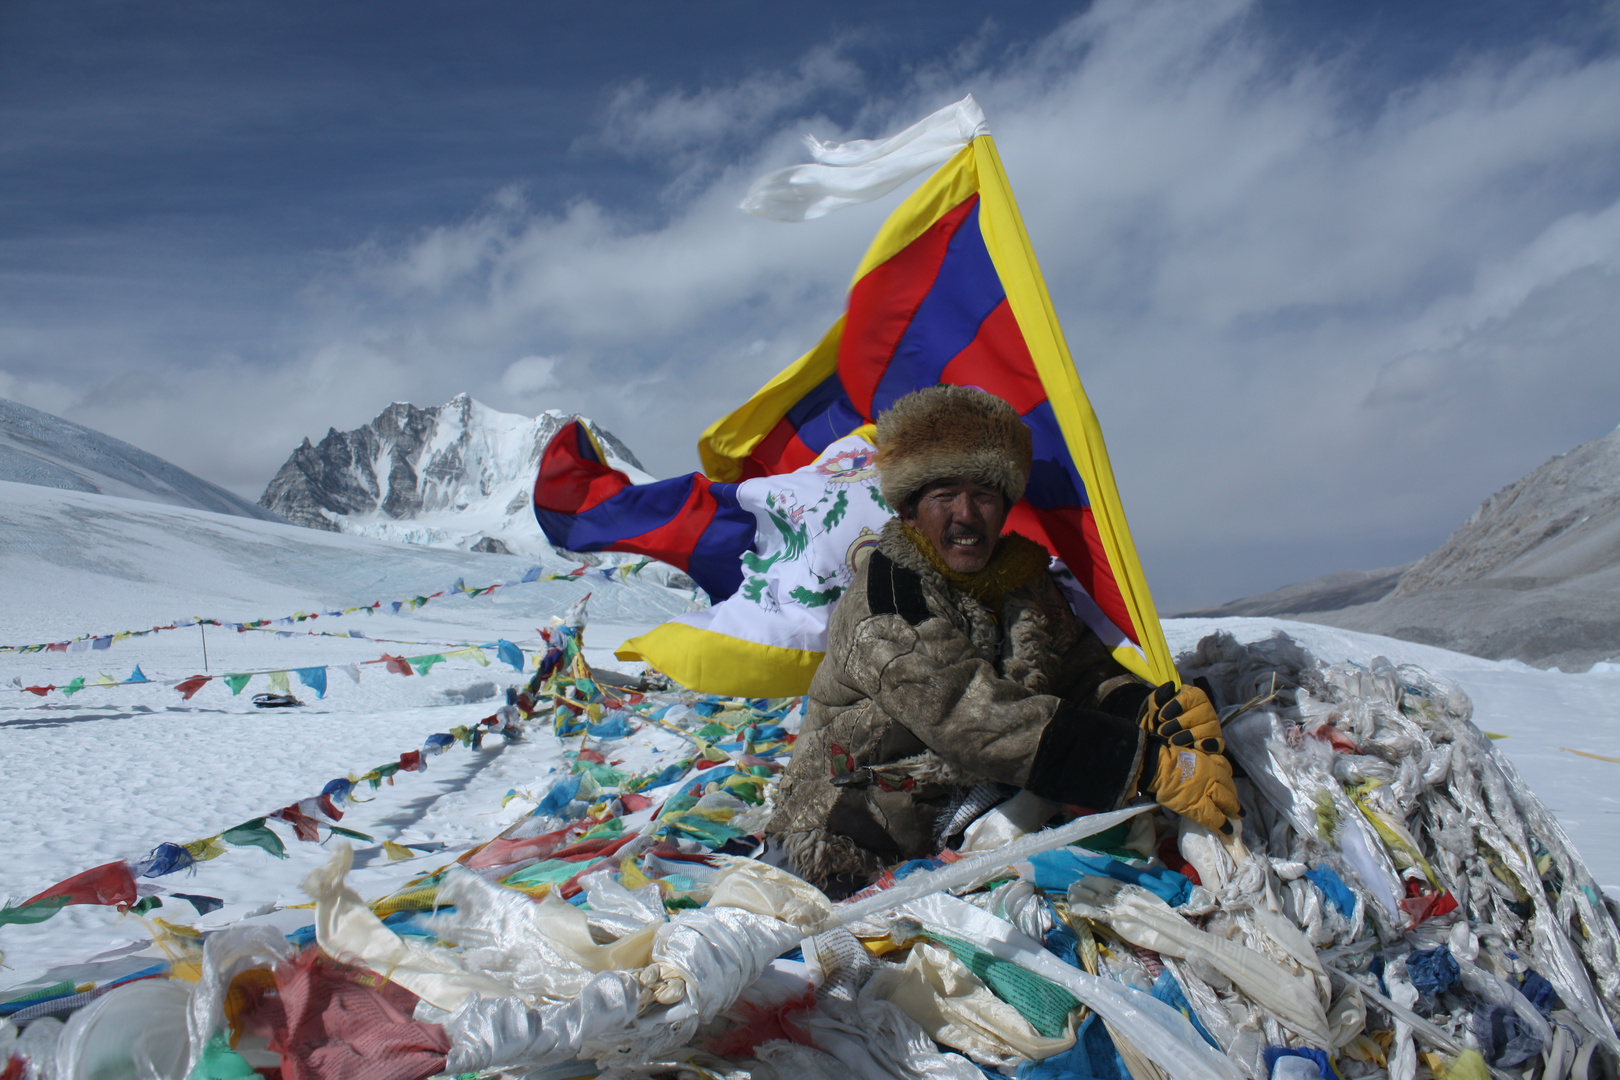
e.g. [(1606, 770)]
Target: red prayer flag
[(192, 685), (304, 826), (40, 690), (397, 664), (329, 1021), (112, 883), (411, 761), (503, 850)]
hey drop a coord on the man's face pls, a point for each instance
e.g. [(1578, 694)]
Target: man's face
[(962, 520)]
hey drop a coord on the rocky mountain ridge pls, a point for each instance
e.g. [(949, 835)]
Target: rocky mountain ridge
[(1532, 575), (457, 475)]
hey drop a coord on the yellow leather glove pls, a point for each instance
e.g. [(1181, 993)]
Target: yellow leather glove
[(1185, 717), (1195, 785)]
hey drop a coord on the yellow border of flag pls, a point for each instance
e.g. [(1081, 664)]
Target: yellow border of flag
[(721, 664), (1014, 259)]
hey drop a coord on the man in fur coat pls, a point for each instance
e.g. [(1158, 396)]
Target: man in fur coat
[(956, 672)]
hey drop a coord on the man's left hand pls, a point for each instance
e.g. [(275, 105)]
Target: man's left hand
[(1184, 718)]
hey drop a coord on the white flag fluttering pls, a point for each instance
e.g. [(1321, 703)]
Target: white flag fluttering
[(844, 174)]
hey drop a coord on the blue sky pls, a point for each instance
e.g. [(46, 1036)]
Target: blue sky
[(1332, 273)]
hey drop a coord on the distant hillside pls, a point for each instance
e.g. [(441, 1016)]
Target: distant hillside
[(1533, 575), (1330, 592), (48, 451)]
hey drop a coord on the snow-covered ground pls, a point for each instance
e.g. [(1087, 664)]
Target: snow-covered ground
[(110, 773)]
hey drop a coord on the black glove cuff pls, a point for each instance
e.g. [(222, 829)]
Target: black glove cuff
[(1087, 758), (1126, 700)]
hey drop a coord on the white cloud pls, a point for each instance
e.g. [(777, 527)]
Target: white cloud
[(529, 376), (644, 124), (44, 394)]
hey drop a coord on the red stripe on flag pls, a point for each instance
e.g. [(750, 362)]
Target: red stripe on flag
[(768, 451), (998, 361), (568, 483), (674, 541), (782, 451), (1070, 533), (883, 303)]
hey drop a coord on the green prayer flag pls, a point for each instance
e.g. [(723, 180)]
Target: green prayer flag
[(605, 775), (1042, 1002), (351, 834), (145, 904), (711, 833), (257, 834), (33, 913), (550, 872), (424, 664), (73, 687), (612, 828), (55, 990), (236, 682), (220, 1062)]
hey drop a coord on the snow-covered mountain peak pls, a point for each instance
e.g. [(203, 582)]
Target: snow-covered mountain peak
[(458, 475)]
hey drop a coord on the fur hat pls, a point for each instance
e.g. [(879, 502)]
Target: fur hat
[(948, 431)]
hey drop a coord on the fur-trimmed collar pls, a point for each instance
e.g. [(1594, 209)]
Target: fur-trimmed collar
[(1016, 562)]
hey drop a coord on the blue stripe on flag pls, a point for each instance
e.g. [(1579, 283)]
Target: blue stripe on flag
[(824, 415), (716, 562), (1053, 479), (630, 513), (965, 291), (587, 449)]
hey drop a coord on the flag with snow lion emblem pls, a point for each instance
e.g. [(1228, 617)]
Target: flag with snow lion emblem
[(774, 528)]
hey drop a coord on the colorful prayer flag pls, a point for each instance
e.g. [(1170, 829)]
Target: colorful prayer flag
[(424, 664), (109, 884), (192, 685), (255, 833), (314, 678)]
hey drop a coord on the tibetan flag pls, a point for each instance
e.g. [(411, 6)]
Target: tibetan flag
[(948, 293)]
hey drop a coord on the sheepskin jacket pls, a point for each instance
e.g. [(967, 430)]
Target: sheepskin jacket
[(925, 692)]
